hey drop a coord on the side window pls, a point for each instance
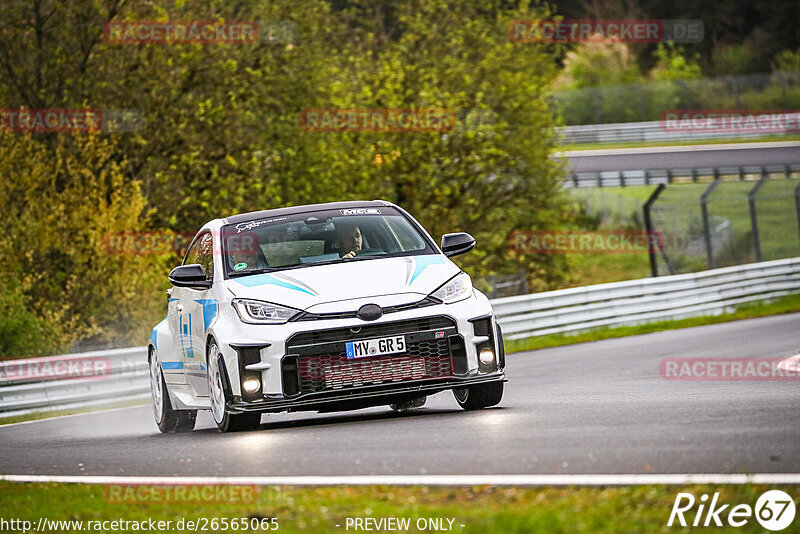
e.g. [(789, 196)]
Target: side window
[(202, 252)]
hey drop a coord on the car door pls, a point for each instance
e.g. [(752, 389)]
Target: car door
[(195, 310)]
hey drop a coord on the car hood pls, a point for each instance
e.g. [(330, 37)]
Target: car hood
[(346, 286)]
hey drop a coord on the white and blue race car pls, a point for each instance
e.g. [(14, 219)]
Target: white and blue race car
[(324, 307)]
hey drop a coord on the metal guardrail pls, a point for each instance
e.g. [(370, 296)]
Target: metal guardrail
[(122, 374), (44, 384), (669, 176), (642, 132), (650, 299)]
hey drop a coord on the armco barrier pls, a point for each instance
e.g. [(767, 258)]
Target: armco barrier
[(679, 175), (565, 310), (126, 379), (646, 300), (654, 131)]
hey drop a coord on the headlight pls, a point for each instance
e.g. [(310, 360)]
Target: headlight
[(457, 288), (258, 312)]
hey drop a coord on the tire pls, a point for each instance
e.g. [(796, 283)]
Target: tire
[(218, 396), (409, 405), (168, 420), (480, 396)]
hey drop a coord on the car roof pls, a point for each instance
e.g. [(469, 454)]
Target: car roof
[(291, 210)]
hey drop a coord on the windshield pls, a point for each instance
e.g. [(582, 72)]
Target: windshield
[(320, 237)]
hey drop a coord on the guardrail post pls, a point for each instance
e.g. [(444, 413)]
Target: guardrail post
[(598, 113), (734, 89), (751, 200), (797, 204), (642, 104), (648, 226), (706, 223)]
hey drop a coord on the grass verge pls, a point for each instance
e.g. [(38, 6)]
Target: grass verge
[(779, 306), (642, 144), (320, 509)]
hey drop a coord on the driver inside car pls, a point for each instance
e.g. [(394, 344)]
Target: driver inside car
[(348, 239)]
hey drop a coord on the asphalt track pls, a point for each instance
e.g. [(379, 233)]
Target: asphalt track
[(593, 408), (684, 157)]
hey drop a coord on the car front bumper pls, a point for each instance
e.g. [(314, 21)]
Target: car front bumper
[(302, 366), (364, 396)]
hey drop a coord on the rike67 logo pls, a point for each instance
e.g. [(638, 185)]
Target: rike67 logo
[(774, 510)]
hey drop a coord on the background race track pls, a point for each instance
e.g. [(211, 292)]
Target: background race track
[(599, 407), (684, 157)]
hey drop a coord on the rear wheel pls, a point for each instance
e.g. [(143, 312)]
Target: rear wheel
[(168, 420), (479, 396), (226, 422)]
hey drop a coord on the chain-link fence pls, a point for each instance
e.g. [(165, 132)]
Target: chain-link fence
[(646, 102), (725, 217)]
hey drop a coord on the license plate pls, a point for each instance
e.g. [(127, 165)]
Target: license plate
[(375, 347)]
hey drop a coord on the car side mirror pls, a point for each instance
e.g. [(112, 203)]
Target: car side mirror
[(189, 276), (457, 243)]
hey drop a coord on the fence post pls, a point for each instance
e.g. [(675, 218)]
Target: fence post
[(734, 90), (797, 204), (751, 200), (598, 106), (642, 102), (706, 223), (648, 226)]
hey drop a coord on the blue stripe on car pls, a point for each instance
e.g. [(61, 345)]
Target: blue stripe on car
[(268, 279), (421, 262)]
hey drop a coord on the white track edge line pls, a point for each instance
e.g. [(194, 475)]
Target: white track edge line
[(429, 480), (91, 412)]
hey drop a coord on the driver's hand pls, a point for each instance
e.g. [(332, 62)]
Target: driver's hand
[(351, 254)]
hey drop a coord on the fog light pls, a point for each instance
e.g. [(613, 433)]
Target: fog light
[(486, 356), (251, 385)]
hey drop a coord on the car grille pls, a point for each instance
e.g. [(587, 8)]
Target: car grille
[(323, 365), (427, 359)]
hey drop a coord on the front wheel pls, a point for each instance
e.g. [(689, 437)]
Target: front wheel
[(226, 422), (480, 396), (168, 420)]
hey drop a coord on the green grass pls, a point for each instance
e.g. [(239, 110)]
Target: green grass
[(642, 144), (480, 509), (677, 214), (789, 304)]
